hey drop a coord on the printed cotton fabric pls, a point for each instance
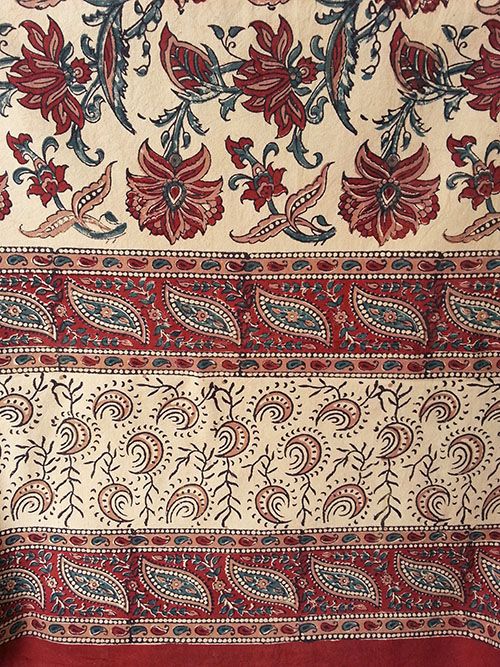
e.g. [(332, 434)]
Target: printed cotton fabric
[(249, 329)]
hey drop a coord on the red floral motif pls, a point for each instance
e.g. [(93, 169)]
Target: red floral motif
[(5, 202), (460, 148), (482, 79), (172, 199), (46, 80), (271, 80), (49, 183), (265, 185), (416, 66), (482, 185), (19, 146), (389, 199), (411, 7), (238, 149), (485, 181)]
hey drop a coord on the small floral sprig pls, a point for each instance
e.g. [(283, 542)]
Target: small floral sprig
[(482, 184), (264, 185), (48, 181)]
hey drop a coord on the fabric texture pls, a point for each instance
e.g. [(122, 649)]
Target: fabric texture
[(249, 332)]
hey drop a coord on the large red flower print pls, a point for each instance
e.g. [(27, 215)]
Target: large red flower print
[(389, 199), (46, 80), (171, 198), (482, 79), (271, 79)]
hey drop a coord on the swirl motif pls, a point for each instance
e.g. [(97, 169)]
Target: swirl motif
[(92, 584), (430, 578), (34, 497), (345, 581), (235, 438), (492, 413), (306, 452), (397, 438), (389, 317), (431, 500), (347, 500), (76, 435), (292, 317), (116, 403), (22, 312), (176, 585), (278, 405), (106, 312), (188, 502), (468, 451), (202, 315), (181, 411), (262, 584), (148, 451), (343, 413), (491, 502), (16, 409), (113, 500), (270, 502), (444, 403)]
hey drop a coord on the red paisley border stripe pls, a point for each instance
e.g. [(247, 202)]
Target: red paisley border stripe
[(379, 557)]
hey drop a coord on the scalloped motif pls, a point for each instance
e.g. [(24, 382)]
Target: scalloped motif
[(176, 585), (94, 585), (292, 316), (477, 314), (345, 581), (430, 578), (17, 583), (19, 311), (389, 317), (262, 584), (109, 313), (202, 315), (490, 569)]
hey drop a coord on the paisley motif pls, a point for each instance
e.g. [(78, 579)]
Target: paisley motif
[(16, 583), (345, 581), (176, 585), (389, 317), (262, 584), (93, 584), (202, 315), (106, 312), (292, 316), (22, 312), (490, 569), (430, 578), (477, 314)]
